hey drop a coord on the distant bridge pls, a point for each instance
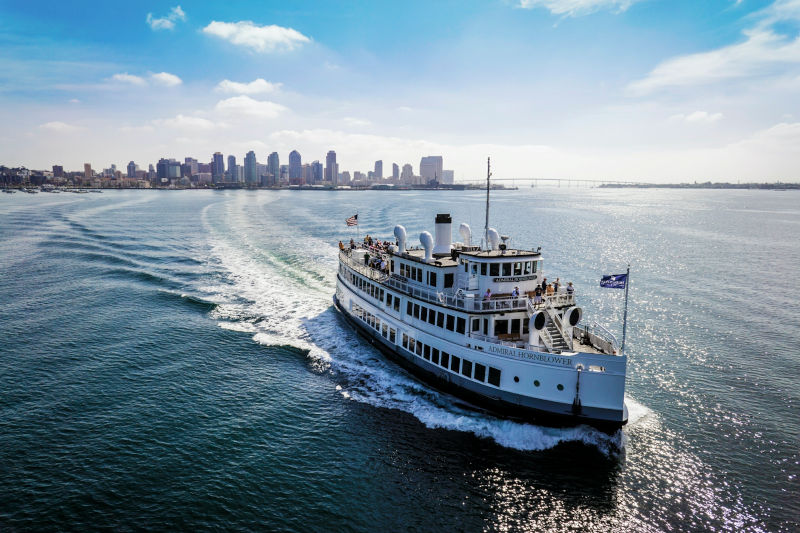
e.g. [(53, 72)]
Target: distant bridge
[(557, 182)]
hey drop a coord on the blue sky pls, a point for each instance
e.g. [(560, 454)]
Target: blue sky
[(659, 90)]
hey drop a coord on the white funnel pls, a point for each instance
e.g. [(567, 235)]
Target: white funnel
[(444, 234), (466, 233), (400, 235), (426, 239)]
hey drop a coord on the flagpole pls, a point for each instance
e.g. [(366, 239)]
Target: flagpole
[(358, 230), (625, 313)]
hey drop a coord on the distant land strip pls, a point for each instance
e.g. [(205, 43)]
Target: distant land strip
[(777, 186)]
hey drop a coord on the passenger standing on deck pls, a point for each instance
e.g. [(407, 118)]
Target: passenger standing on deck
[(341, 245), (515, 293), (550, 290), (537, 295), (366, 258), (570, 288), (544, 284), (352, 244), (556, 284)]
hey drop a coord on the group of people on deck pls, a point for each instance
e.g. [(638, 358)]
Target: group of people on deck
[(545, 289), (377, 247)]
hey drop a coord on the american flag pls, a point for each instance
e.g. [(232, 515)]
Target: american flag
[(353, 220)]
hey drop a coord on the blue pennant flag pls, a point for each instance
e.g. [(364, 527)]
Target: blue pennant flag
[(614, 281)]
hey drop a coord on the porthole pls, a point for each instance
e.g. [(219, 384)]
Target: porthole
[(560, 386), (535, 382), (516, 379)]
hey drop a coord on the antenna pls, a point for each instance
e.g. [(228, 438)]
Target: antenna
[(488, 175)]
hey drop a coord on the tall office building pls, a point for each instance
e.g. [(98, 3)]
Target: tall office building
[(430, 168), (331, 168), (217, 167), (395, 172), (193, 165), (58, 171), (408, 174), (250, 169), (87, 171), (295, 165), (233, 174), (274, 167), (316, 172), (378, 174)]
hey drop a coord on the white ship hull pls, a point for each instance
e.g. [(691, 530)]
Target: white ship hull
[(541, 387)]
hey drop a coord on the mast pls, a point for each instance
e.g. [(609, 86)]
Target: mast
[(488, 175), (625, 313)]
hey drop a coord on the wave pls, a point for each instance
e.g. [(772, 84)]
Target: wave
[(283, 303)]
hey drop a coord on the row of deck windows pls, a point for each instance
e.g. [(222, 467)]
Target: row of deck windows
[(436, 318), (453, 363), (375, 323), (517, 268), (422, 276), (370, 288)]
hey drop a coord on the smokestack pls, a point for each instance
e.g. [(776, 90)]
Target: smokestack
[(444, 235)]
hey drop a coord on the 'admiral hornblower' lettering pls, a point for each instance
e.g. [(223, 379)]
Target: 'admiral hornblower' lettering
[(543, 357), (514, 279)]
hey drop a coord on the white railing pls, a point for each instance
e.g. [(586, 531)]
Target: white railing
[(360, 267), (460, 300), (599, 337)]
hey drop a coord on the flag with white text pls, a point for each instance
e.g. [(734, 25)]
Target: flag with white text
[(614, 281)]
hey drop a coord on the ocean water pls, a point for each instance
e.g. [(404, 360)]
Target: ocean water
[(172, 360)]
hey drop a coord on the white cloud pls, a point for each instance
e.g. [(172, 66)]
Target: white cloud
[(59, 127), (165, 78), (74, 101), (124, 77), (576, 8), (168, 22), (699, 117), (265, 39), (352, 121), (764, 53), (249, 107), (258, 86), (187, 122)]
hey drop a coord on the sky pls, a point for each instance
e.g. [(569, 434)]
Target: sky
[(635, 90)]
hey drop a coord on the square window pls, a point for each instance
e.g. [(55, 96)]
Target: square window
[(483, 269), (405, 341), (445, 362), (416, 310), (432, 317), (494, 269), (466, 368), (427, 352), (440, 320), (455, 363), (506, 269), (432, 279), (423, 315), (517, 269), (461, 325), (451, 322), (409, 307), (418, 349), (480, 372), (435, 356), (448, 281), (494, 376), (392, 335)]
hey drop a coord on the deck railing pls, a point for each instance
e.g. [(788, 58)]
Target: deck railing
[(459, 299)]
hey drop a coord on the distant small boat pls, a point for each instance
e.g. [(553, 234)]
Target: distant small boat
[(9, 191)]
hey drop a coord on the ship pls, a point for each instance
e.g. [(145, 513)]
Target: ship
[(480, 323)]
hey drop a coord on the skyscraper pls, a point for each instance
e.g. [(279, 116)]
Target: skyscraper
[(217, 167), (395, 172), (331, 168), (408, 174), (295, 165), (430, 168), (232, 172), (250, 170), (274, 167), (378, 174), (87, 171), (58, 171), (131, 169), (316, 172)]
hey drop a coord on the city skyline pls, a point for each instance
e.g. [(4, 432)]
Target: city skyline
[(595, 89)]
